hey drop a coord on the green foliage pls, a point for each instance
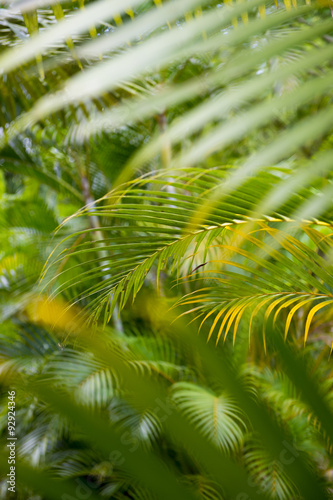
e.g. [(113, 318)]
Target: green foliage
[(194, 422), (166, 170)]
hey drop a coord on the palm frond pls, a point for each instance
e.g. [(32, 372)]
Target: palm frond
[(161, 48), (165, 231), (215, 416), (268, 474)]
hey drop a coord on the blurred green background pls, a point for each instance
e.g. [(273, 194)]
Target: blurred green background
[(166, 277)]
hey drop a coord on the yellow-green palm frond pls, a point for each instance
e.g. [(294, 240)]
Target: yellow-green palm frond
[(264, 263)]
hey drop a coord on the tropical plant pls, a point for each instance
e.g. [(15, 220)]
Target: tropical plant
[(182, 150), (148, 403)]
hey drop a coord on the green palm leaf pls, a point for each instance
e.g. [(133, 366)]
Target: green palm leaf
[(215, 416), (168, 221)]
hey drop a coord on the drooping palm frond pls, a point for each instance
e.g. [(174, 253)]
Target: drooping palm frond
[(141, 420), (226, 110), (90, 381), (215, 416), (163, 48), (242, 260), (254, 283), (270, 475), (229, 109), (87, 463)]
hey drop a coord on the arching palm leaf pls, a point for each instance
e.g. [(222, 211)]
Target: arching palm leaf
[(215, 416), (261, 256)]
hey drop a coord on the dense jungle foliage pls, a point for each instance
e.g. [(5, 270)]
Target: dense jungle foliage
[(166, 257)]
